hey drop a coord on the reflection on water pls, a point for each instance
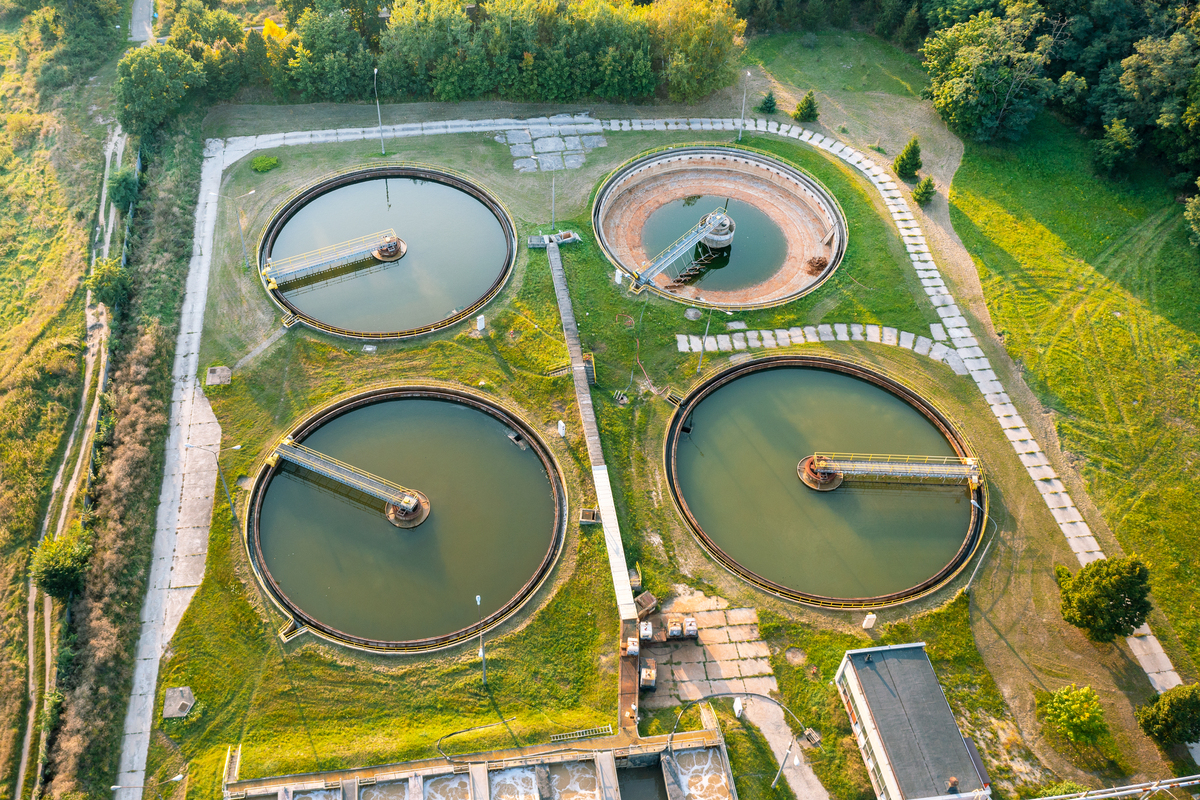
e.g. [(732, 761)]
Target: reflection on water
[(456, 250), (702, 774), (448, 787), (737, 471), (759, 246), (574, 780), (388, 790), (492, 520), (642, 783)]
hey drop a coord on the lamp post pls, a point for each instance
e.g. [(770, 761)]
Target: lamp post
[(482, 657), (216, 456), (538, 159), (378, 113), (744, 86), (153, 786), (241, 233)]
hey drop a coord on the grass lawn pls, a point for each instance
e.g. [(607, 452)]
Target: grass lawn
[(1092, 286)]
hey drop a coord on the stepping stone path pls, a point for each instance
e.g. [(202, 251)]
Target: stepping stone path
[(742, 339), (549, 144)]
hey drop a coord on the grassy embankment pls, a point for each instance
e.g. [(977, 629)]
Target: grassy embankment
[(50, 167)]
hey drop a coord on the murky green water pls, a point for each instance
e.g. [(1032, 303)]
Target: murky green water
[(491, 523), (737, 470), (759, 246), (642, 783), (456, 250)]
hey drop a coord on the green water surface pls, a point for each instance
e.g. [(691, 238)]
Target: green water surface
[(456, 250), (737, 472), (758, 251), (491, 523)]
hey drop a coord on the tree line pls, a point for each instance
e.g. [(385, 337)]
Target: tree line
[(533, 50)]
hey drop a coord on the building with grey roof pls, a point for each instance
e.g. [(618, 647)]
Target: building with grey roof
[(905, 730)]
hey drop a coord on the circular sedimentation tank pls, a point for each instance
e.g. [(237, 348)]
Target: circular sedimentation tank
[(457, 247), (789, 231), (331, 560), (733, 451)]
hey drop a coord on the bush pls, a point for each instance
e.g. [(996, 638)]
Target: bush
[(1173, 717), (1117, 149), (806, 109), (1107, 598), (109, 282), (1075, 713), (909, 161), (123, 187), (59, 564), (924, 191), (23, 129), (767, 106), (264, 163), (152, 83)]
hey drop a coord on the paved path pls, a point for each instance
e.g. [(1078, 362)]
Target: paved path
[(221, 152), (141, 26)]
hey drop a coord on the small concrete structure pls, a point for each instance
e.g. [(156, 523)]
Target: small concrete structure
[(218, 376), (905, 730), (178, 702)]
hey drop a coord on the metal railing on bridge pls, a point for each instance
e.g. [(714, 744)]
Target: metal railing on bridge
[(329, 467), (682, 245), (899, 469), (315, 263)]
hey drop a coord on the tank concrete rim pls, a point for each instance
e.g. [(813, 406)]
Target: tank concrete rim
[(346, 404), (604, 197), (931, 412), (289, 207)]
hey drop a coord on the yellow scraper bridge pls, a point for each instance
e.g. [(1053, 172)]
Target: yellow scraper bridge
[(894, 469), (401, 505), (328, 261)]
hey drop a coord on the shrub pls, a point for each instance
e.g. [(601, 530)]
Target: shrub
[(806, 109), (123, 187), (59, 563), (924, 191), (1192, 214), (1107, 598), (23, 129), (768, 105), (909, 161), (1117, 149), (1075, 713), (109, 282), (264, 163), (1173, 717)]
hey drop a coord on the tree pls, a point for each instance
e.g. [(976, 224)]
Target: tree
[(59, 564), (697, 42), (123, 188), (1191, 212), (806, 109), (108, 283), (151, 83), (1107, 598), (985, 79), (767, 106), (1173, 717), (1075, 713), (1116, 149), (924, 191), (909, 161)]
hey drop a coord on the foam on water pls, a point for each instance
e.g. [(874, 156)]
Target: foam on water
[(702, 774), (318, 794), (518, 783), (574, 780), (448, 787), (389, 790)]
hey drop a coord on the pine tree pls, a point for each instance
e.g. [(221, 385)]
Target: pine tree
[(767, 106), (806, 109), (924, 191), (909, 160)]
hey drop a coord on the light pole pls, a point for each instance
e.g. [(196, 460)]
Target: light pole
[(217, 458), (745, 84), (379, 113), (245, 255), (706, 325), (482, 657), (538, 159), (153, 786)]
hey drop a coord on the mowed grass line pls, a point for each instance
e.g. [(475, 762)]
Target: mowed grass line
[(1092, 286)]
